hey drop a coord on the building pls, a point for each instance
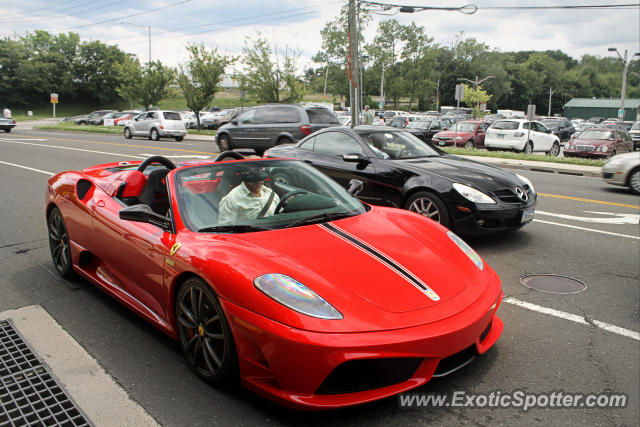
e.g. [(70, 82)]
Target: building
[(585, 108)]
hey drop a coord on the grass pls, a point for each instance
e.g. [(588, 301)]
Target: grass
[(70, 126), (520, 156)]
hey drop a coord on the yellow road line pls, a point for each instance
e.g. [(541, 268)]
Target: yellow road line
[(134, 146), (579, 199)]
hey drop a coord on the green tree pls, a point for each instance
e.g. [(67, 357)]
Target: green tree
[(269, 74), (146, 85), (199, 77), (474, 97), (96, 76)]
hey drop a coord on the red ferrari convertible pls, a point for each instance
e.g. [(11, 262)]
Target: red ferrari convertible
[(308, 296)]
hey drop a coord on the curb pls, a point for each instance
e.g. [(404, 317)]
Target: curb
[(575, 170)]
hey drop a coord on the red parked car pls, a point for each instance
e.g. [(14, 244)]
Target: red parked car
[(599, 143), (466, 133), (318, 301)]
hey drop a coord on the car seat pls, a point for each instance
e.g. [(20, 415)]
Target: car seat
[(154, 194)]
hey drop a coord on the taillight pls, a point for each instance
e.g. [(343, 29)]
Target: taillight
[(305, 129), (407, 120)]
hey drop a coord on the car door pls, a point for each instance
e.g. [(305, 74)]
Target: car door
[(623, 142), (326, 155), (143, 123), (130, 254), (241, 132), (479, 134), (542, 138)]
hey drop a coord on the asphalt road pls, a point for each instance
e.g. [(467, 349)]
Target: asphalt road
[(582, 343)]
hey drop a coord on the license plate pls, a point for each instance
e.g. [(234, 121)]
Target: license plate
[(441, 142), (501, 136), (527, 215)]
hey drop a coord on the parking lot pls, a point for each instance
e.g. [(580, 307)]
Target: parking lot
[(583, 343)]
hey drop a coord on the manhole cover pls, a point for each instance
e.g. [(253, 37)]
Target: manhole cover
[(553, 283)]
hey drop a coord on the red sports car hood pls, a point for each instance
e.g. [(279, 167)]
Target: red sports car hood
[(385, 269)]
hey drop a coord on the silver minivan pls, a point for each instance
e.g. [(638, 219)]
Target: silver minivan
[(155, 125)]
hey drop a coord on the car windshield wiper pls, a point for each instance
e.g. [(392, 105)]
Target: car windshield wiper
[(232, 229), (319, 218)]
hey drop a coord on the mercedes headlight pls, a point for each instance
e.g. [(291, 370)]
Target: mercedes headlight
[(472, 194), (527, 181), (473, 256), (296, 296)]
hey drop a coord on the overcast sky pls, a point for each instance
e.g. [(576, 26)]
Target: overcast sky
[(297, 23)]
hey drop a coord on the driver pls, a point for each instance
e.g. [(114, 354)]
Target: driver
[(248, 200)]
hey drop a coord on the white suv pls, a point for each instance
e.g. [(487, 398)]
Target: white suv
[(156, 124), (514, 134)]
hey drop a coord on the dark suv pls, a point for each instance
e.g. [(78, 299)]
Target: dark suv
[(560, 126), (265, 126)]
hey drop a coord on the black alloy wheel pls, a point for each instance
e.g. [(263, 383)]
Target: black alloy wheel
[(59, 244), (154, 135), (204, 333), (429, 205)]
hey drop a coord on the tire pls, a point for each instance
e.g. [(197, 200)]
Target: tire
[(59, 244), (7, 130), (634, 181), (555, 149), (613, 153), (469, 144), (154, 135), (284, 140), (127, 133), (428, 204), (224, 144), (528, 148), (204, 334), (179, 138)]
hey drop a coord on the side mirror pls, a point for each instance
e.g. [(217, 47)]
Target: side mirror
[(549, 131), (143, 213), (234, 122), (355, 158), (355, 187)]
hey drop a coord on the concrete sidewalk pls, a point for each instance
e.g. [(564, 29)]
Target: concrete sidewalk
[(561, 168)]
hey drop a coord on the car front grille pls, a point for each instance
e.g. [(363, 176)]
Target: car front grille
[(607, 175), (509, 196), (585, 148), (368, 374)]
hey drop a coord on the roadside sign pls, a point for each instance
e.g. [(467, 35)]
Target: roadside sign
[(621, 113), (531, 112), (459, 92), (109, 122), (54, 98)]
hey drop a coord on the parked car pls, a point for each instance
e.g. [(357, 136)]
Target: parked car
[(99, 120), (399, 170), (299, 305), (125, 117), (581, 127), (7, 124), (623, 169), (156, 125), (596, 119), (264, 126), (403, 121), (425, 129), (85, 120), (467, 134), (514, 134), (599, 143), (635, 135), (560, 126), (217, 119)]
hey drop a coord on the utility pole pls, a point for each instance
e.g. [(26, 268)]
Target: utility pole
[(326, 75), (551, 92), (438, 96), (353, 66), (624, 78), (476, 84)]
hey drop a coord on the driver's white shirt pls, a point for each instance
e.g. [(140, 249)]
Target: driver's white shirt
[(241, 205)]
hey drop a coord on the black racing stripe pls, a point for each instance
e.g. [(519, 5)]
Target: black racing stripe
[(376, 254)]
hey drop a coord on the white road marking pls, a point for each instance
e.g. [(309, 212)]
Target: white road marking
[(21, 139), (574, 318), (28, 168), (99, 396), (587, 229), (617, 218), (76, 149), (193, 156)]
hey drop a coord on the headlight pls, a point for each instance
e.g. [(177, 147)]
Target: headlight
[(567, 145), (472, 194), (527, 181), (605, 148), (473, 256), (293, 294)]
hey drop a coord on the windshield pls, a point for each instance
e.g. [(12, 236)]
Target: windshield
[(597, 134), (464, 127), (398, 145), (236, 197), (505, 124), (551, 124), (421, 124)]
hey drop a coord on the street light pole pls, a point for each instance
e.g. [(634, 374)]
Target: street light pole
[(551, 92), (623, 91), (476, 84), (382, 86)]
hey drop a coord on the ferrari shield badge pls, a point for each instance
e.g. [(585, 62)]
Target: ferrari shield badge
[(175, 248)]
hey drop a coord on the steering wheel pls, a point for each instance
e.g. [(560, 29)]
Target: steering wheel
[(283, 202), (156, 159), (229, 154)]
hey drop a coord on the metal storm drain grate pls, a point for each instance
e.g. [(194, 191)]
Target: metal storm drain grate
[(29, 394), (553, 283)]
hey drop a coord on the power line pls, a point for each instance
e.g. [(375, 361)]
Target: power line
[(38, 9), (69, 14)]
